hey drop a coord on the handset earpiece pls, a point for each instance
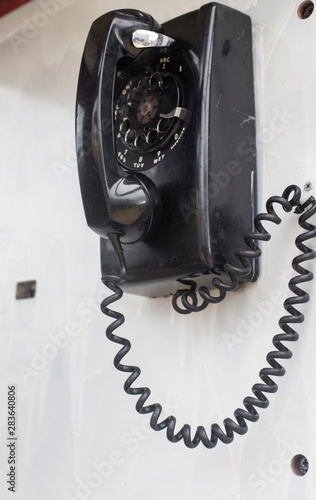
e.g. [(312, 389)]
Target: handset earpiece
[(114, 201)]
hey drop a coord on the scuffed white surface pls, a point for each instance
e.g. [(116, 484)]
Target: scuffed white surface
[(72, 412)]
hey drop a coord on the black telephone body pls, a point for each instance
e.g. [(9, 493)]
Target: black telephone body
[(166, 143)]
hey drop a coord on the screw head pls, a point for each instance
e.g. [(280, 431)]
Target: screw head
[(300, 465), (308, 186), (305, 10)]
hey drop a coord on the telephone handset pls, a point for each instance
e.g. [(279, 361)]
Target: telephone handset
[(164, 115)]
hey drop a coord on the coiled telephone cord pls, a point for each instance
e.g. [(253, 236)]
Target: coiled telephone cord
[(289, 200)]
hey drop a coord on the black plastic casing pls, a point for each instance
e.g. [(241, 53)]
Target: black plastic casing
[(207, 178)]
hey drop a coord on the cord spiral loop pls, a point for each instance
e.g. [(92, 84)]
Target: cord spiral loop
[(189, 300)]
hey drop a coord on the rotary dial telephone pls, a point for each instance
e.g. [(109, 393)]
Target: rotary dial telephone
[(163, 117)]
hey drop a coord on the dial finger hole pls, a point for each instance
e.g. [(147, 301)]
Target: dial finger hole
[(152, 136), (125, 126), (124, 112), (130, 136), (155, 79), (165, 81), (163, 125), (144, 82), (136, 95), (140, 141)]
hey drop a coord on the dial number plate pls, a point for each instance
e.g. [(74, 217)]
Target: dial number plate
[(141, 126)]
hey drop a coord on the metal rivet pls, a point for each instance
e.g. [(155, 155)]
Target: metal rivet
[(300, 465)]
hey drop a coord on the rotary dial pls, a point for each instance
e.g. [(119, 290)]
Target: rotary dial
[(141, 106)]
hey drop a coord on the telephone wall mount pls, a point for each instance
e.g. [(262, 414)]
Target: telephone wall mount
[(160, 124)]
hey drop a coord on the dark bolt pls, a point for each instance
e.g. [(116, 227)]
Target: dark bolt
[(305, 10), (300, 465)]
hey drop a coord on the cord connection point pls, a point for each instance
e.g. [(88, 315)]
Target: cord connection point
[(116, 244), (301, 208)]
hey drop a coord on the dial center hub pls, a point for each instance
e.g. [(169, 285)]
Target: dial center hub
[(147, 109)]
